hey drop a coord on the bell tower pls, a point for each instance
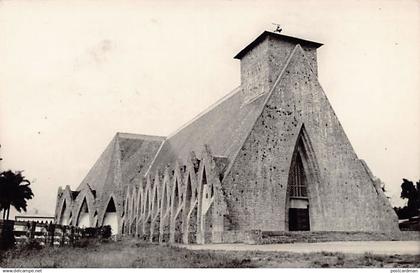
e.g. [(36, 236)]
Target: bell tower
[(264, 58)]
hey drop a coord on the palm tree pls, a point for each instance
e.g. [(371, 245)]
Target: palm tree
[(14, 191)]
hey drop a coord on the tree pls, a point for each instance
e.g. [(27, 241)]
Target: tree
[(412, 193), (14, 191)]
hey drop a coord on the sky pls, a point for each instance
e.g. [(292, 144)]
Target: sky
[(73, 73)]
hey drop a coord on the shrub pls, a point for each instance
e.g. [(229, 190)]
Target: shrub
[(89, 232), (7, 238), (105, 232)]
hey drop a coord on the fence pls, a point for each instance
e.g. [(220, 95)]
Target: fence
[(46, 234)]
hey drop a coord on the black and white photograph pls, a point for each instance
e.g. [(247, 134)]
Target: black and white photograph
[(210, 134)]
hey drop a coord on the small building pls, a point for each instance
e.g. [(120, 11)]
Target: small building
[(34, 218), (270, 156)]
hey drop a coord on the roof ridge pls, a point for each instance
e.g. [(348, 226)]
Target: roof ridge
[(326, 97), (229, 167), (110, 148), (138, 136), (154, 158)]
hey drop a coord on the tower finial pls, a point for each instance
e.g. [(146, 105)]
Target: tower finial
[(278, 28)]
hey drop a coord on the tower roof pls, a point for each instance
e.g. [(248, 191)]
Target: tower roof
[(282, 37)]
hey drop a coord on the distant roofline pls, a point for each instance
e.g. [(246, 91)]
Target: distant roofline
[(36, 217), (263, 35)]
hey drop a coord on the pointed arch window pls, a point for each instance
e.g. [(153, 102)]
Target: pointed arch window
[(298, 179), (204, 180)]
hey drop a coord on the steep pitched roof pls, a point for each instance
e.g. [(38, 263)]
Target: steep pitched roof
[(137, 152), (130, 153), (222, 127), (99, 172)]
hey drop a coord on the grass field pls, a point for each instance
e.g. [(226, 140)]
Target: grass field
[(132, 253)]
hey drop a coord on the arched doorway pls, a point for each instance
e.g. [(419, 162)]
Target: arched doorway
[(83, 216), (110, 218), (298, 214), (64, 221), (303, 171)]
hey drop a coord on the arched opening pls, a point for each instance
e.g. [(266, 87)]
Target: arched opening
[(110, 217), (140, 215), (64, 221), (83, 216), (177, 212), (165, 214), (206, 224), (204, 178), (190, 228), (127, 205), (133, 226), (298, 217), (176, 195), (165, 202), (303, 172), (146, 204), (133, 206), (188, 193), (139, 204), (155, 219), (95, 219), (155, 202), (147, 215), (205, 190)]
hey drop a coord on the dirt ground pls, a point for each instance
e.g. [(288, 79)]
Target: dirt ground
[(354, 247), (130, 253)]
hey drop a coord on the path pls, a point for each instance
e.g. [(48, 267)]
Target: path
[(355, 247)]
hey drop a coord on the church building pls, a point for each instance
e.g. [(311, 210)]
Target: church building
[(271, 156)]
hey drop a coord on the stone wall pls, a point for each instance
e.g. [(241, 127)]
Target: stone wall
[(261, 66), (343, 198)]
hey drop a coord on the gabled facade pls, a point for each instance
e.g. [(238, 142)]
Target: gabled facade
[(270, 156), (99, 198)]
